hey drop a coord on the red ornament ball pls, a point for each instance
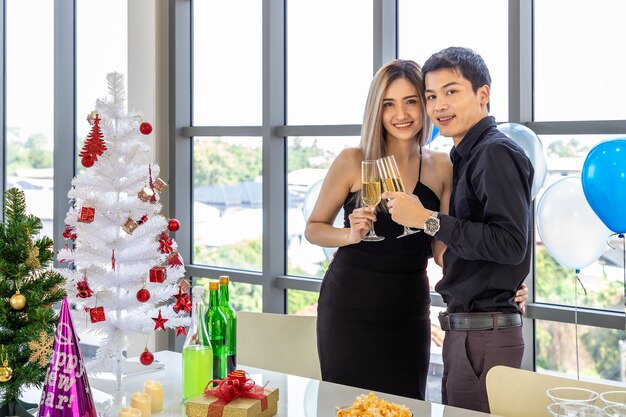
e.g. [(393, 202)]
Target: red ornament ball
[(145, 128), (87, 161), (173, 225), (143, 295), (67, 234), (146, 357)]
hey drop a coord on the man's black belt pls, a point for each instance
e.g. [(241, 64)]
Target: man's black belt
[(478, 321)]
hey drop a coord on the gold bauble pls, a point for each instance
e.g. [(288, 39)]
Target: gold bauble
[(6, 373), (17, 301)]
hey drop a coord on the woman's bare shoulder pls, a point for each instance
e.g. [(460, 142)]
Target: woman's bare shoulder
[(349, 157)]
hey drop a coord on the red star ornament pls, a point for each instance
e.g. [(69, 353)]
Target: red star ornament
[(159, 322), (183, 302), (181, 330)]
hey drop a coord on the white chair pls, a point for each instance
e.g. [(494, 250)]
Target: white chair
[(520, 393), (278, 342)]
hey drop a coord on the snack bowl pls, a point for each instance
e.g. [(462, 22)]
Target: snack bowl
[(346, 412)]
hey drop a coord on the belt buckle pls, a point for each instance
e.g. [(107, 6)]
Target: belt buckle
[(444, 321)]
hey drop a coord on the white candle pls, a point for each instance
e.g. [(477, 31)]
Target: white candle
[(142, 402), (155, 389), (129, 412)]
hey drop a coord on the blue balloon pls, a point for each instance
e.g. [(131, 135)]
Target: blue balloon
[(604, 183), (433, 135)]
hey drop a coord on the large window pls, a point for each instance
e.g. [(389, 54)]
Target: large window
[(329, 61), (309, 67), (29, 105), (576, 60), (428, 27), (263, 95)]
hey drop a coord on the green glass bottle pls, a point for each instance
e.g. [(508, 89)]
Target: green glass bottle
[(197, 352), (216, 326), (231, 323)]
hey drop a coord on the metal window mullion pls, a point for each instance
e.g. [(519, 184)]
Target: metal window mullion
[(209, 131), (319, 130), (520, 111), (385, 40), (205, 271), (274, 154), (180, 146), (584, 316), (579, 127), (520, 61), (64, 112)]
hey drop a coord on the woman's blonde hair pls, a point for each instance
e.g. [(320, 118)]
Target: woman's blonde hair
[(373, 143)]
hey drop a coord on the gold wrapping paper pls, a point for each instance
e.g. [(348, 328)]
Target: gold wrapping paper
[(240, 407)]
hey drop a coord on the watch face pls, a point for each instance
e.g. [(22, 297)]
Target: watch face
[(431, 226)]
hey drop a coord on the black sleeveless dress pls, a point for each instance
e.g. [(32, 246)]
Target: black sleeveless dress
[(373, 324)]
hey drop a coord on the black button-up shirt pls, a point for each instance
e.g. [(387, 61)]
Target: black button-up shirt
[(488, 231)]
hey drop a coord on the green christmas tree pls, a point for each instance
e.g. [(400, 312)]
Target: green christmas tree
[(28, 290)]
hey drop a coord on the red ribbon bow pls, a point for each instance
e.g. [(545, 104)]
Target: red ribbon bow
[(235, 385)]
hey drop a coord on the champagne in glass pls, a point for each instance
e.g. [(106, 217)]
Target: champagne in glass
[(370, 193), (390, 176)]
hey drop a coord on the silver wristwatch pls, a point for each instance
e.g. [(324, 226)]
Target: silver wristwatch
[(431, 225)]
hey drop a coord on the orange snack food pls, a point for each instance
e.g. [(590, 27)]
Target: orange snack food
[(371, 406)]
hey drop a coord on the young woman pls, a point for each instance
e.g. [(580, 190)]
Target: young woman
[(373, 321)]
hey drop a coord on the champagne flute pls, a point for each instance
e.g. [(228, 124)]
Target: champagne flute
[(370, 193), (390, 177)]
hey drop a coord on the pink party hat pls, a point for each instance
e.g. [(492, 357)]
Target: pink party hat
[(66, 391)]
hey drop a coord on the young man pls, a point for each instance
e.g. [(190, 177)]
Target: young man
[(488, 230)]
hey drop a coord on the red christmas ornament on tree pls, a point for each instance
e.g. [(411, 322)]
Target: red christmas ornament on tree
[(143, 295), (97, 314), (173, 225), (165, 243), (87, 161), (84, 291), (94, 145), (67, 233), (159, 322), (146, 357), (183, 302), (145, 128)]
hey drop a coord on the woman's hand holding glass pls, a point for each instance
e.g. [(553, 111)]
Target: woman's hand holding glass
[(361, 220), (370, 194)]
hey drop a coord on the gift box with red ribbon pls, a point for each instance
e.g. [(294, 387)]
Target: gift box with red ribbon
[(158, 274), (235, 396), (86, 214)]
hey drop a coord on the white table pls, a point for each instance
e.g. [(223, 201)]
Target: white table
[(298, 396)]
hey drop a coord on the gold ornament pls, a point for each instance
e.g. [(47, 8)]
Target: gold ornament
[(32, 261), (40, 349), (6, 373), (17, 301)]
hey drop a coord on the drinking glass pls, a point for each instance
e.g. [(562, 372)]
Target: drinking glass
[(615, 410), (572, 395), (614, 397), (370, 193), (391, 180), (569, 409)]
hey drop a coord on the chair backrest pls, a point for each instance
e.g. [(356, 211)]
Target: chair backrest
[(278, 342), (520, 393)]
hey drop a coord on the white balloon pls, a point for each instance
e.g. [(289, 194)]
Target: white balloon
[(307, 208), (532, 146), (570, 230)]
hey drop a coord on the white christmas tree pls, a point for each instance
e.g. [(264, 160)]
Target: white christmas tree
[(124, 268)]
